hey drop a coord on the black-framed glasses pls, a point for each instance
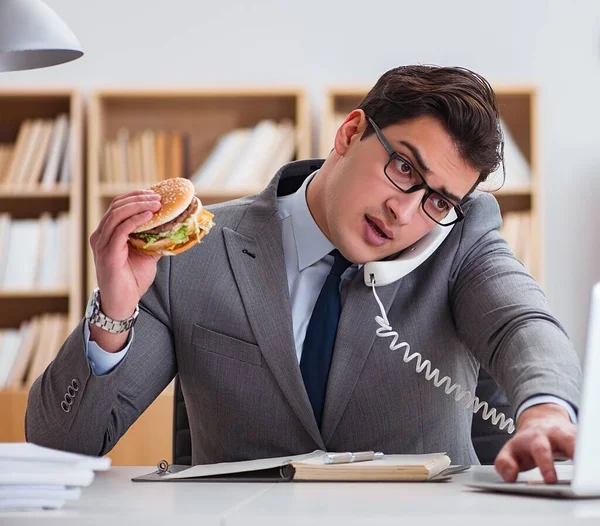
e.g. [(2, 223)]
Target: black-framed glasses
[(406, 178)]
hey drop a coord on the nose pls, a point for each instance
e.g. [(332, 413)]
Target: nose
[(403, 207)]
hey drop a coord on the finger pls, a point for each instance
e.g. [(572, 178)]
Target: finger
[(120, 200), (111, 253), (563, 442), (121, 233), (124, 213), (506, 463), (541, 452)]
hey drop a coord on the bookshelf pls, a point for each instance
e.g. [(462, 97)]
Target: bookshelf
[(25, 199), (518, 110), (203, 115)]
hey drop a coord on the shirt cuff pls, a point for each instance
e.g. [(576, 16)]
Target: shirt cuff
[(101, 361), (547, 399)]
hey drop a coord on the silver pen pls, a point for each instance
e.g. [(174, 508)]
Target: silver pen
[(348, 457)]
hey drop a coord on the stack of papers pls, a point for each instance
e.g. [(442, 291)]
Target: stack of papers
[(35, 477)]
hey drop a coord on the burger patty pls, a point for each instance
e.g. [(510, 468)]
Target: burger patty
[(180, 219)]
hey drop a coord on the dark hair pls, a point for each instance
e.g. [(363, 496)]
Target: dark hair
[(463, 101)]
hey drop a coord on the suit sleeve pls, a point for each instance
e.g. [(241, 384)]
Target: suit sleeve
[(503, 316), (102, 408)]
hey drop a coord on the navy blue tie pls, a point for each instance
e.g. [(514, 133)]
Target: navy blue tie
[(320, 336)]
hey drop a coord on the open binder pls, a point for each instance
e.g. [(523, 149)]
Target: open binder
[(311, 467)]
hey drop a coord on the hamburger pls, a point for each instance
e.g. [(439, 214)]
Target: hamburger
[(180, 223)]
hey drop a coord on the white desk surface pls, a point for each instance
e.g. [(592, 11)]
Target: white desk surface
[(113, 500)]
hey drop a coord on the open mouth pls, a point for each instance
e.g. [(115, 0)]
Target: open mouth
[(376, 229)]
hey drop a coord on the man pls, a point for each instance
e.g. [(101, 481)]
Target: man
[(273, 336)]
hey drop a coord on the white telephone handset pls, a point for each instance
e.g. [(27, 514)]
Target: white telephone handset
[(381, 273)]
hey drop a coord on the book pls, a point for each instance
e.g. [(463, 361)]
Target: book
[(58, 141), (16, 379), (253, 161), (6, 155), (222, 160), (65, 169), (11, 343), (14, 167), (310, 467), (31, 179), (22, 251)]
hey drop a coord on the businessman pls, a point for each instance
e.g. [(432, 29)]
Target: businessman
[(269, 323)]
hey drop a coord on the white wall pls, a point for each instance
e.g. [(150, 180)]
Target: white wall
[(314, 43)]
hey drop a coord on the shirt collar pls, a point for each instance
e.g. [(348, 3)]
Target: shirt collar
[(311, 244)]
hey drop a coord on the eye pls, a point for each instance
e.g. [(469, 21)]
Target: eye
[(440, 204), (403, 168)]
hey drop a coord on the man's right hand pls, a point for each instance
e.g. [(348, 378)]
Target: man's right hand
[(124, 274)]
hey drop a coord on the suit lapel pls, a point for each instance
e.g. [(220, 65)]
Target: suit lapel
[(354, 340), (255, 253)]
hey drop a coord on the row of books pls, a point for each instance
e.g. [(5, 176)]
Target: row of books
[(516, 230), (34, 253), (145, 157), (244, 158), (247, 158), (39, 159), (27, 351), (518, 170)]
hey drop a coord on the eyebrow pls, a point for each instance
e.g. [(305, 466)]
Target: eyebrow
[(417, 155)]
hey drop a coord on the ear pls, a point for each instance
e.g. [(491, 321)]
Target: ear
[(350, 131)]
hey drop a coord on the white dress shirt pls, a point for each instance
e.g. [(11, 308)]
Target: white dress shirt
[(307, 264)]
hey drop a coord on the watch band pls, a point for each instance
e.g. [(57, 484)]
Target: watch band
[(96, 317)]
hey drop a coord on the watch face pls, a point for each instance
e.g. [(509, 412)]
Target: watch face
[(93, 306)]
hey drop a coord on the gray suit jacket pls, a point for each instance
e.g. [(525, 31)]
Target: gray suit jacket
[(219, 316)]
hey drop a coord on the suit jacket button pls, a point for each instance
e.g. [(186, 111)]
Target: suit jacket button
[(75, 384), (65, 407), (68, 399), (71, 391)]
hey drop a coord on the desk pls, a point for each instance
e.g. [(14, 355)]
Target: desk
[(113, 500)]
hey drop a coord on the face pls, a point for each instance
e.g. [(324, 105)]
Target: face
[(352, 200)]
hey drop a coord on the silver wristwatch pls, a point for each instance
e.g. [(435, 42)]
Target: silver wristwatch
[(95, 316)]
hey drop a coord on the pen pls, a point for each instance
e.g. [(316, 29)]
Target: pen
[(348, 457)]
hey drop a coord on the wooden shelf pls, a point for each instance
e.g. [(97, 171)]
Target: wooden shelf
[(503, 192), (7, 192), (16, 306), (110, 191), (16, 106), (12, 408), (518, 107), (33, 294)]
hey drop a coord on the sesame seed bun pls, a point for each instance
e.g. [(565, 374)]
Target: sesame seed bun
[(179, 208), (176, 195)]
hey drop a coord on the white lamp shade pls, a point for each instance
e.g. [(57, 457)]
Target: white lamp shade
[(33, 36)]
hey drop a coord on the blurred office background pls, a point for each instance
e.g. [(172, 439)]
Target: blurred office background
[(550, 46)]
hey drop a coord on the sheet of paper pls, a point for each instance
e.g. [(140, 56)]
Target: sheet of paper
[(24, 451), (227, 468)]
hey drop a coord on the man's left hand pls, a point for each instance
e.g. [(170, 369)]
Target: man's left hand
[(544, 432)]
